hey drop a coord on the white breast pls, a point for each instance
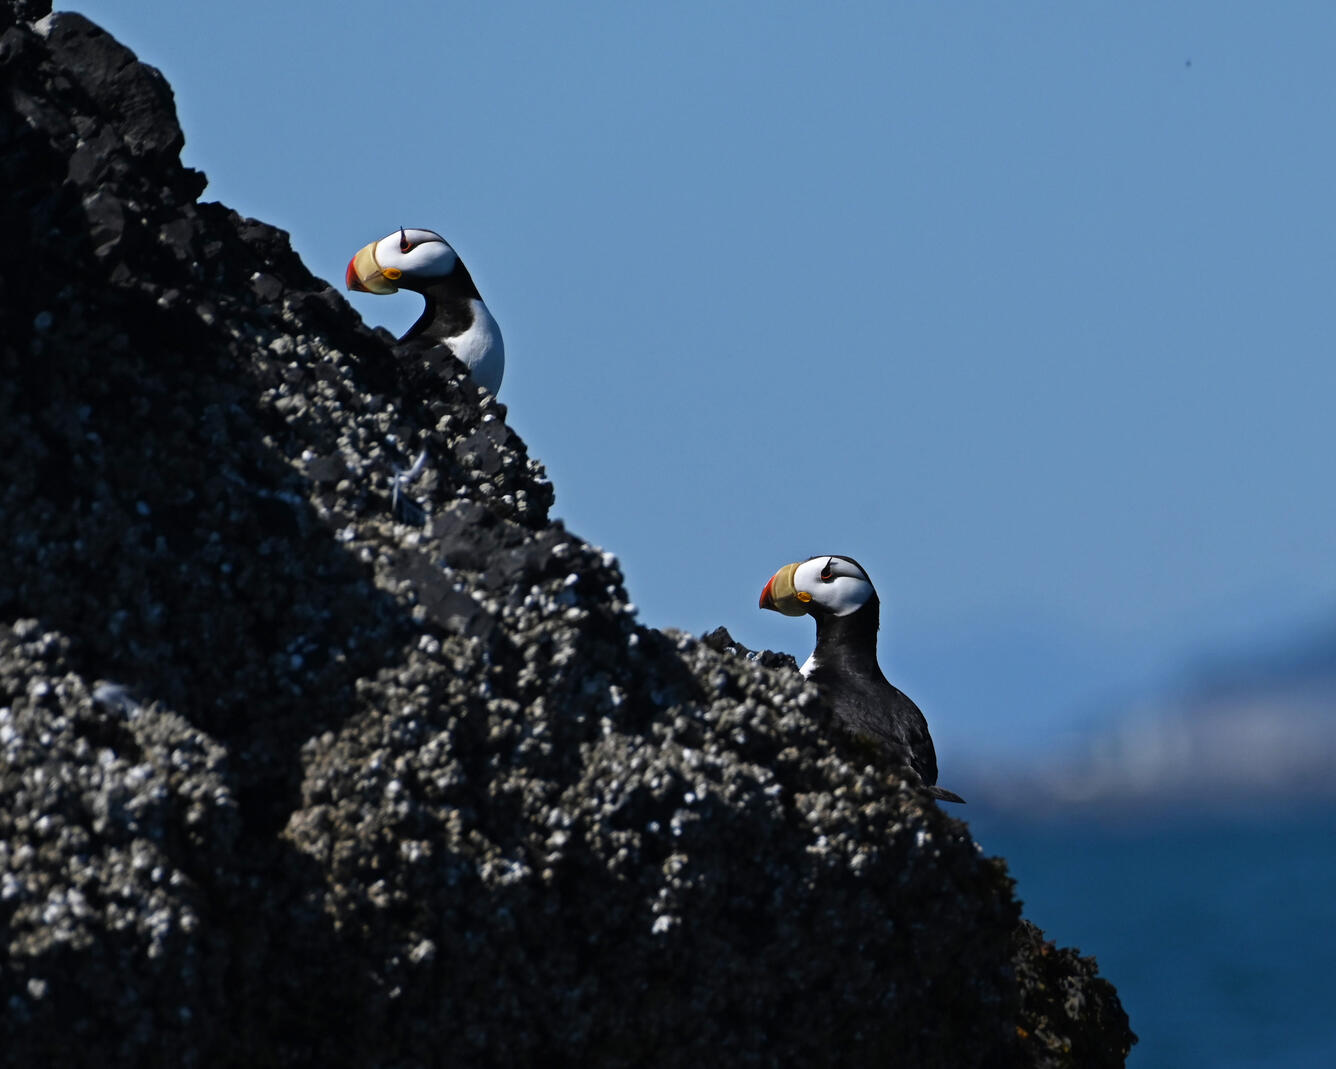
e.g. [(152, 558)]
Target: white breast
[(481, 348)]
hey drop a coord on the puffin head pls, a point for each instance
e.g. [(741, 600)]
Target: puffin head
[(818, 586), (406, 259)]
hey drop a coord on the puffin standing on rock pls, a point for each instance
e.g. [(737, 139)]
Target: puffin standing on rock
[(838, 594), (423, 261)]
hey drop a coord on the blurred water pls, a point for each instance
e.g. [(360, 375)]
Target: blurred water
[(1218, 931)]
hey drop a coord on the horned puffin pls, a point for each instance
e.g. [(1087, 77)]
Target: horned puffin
[(838, 594), (424, 262)]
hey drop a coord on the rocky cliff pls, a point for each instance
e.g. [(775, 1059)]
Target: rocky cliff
[(304, 762)]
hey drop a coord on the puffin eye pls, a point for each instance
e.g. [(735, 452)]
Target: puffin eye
[(404, 244), (826, 574)]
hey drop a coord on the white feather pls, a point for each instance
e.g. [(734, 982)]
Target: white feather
[(481, 348), (429, 254), (848, 589)]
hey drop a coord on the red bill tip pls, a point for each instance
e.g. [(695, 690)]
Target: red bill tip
[(354, 283)]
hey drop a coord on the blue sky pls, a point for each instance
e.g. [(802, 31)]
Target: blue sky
[(1025, 306)]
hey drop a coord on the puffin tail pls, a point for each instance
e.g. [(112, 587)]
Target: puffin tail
[(943, 795)]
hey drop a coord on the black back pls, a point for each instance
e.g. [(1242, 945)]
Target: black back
[(861, 699)]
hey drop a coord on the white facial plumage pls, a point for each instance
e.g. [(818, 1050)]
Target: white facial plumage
[(417, 253), (837, 585)]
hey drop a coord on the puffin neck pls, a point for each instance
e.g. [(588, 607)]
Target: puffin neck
[(449, 311), (853, 636)]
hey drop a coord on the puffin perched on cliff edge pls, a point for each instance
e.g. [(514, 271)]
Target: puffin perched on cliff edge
[(838, 594), (424, 262)]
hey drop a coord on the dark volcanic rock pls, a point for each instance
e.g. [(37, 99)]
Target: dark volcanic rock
[(307, 763)]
